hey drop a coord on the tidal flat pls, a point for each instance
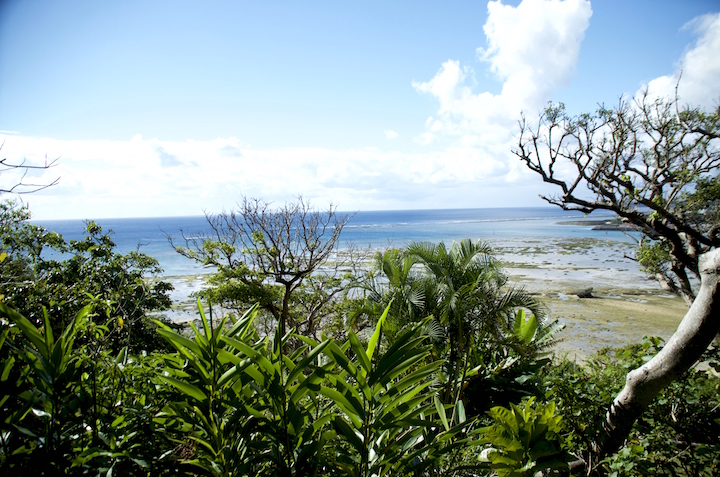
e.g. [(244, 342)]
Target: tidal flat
[(625, 304)]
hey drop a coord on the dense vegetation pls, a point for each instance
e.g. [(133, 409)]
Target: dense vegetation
[(453, 378)]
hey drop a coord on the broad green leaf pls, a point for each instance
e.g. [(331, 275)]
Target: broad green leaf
[(305, 362), (178, 340), (372, 344), (414, 357), (27, 328), (49, 339), (460, 411), (244, 324), (77, 323), (187, 388), (229, 376), (525, 329), (404, 397), (362, 357), (7, 367), (350, 434), (206, 325), (418, 375), (250, 352), (343, 403)]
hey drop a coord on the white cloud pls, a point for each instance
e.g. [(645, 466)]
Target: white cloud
[(700, 67), (532, 48), (152, 177), (390, 134)]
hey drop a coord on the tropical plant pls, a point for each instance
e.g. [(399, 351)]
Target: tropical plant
[(506, 374), (524, 439), (43, 417), (386, 403), (247, 407), (466, 291), (69, 406), (391, 281)]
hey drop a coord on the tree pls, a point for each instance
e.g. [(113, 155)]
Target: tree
[(463, 288), (392, 281), (656, 166), (43, 270), (277, 257), (465, 291)]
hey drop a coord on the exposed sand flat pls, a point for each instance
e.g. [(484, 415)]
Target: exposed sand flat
[(626, 305)]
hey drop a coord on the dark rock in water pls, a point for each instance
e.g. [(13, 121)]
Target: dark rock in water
[(584, 293)]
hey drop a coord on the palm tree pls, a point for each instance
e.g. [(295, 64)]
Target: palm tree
[(394, 281), (466, 291)]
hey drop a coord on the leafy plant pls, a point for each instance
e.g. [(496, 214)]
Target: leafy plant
[(44, 417), (524, 439), (385, 402), (42, 269)]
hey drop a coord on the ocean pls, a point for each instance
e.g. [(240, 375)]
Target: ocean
[(365, 229)]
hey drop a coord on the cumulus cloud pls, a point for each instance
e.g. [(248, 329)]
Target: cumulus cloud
[(699, 66), (390, 134), (534, 47), (167, 159), (531, 49)]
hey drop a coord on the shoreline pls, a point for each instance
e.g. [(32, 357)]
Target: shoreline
[(626, 305)]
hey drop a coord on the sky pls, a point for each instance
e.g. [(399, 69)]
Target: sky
[(177, 107)]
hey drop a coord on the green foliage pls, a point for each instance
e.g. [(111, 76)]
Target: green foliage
[(489, 352), (207, 421), (524, 439), (42, 270), (68, 406), (244, 406), (385, 405), (677, 435), (277, 257), (44, 401), (654, 256)]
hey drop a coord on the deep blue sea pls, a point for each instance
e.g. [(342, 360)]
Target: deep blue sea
[(374, 229)]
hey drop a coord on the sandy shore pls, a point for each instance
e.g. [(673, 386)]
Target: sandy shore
[(625, 306)]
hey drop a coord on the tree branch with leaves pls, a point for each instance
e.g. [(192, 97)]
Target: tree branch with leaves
[(655, 165), (267, 254)]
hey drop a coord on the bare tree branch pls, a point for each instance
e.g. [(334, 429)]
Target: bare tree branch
[(22, 187)]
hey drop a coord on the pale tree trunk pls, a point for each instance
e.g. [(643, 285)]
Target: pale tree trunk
[(694, 334)]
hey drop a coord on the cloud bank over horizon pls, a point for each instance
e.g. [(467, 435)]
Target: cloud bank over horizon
[(462, 158)]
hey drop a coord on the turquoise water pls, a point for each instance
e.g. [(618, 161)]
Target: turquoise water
[(374, 229)]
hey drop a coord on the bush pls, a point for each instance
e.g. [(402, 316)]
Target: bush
[(677, 434)]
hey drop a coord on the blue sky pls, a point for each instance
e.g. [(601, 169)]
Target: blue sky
[(160, 108)]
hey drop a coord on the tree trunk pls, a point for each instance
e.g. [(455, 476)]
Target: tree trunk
[(690, 340)]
